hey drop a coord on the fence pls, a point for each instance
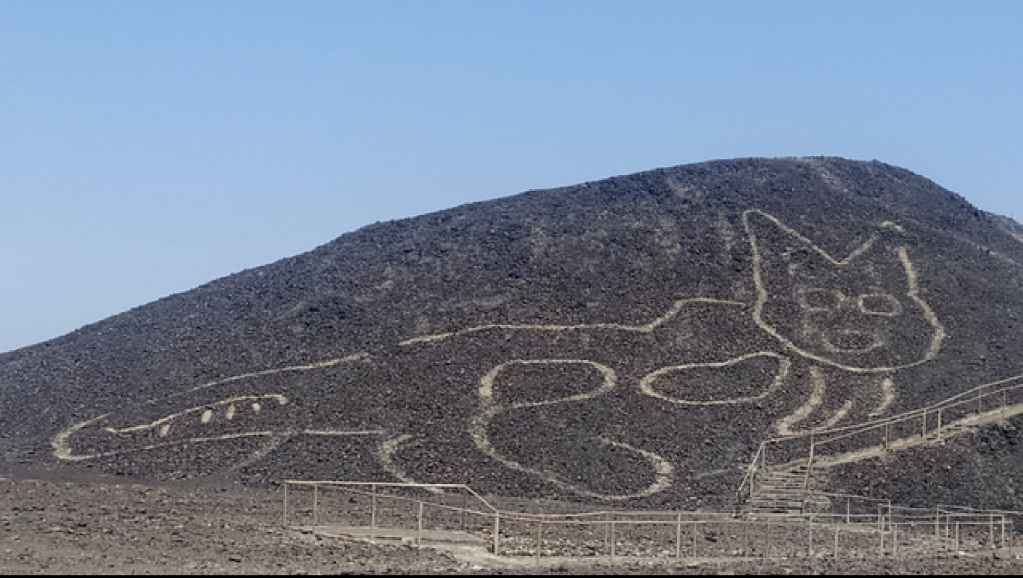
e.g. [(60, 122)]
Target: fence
[(416, 511), (822, 448)]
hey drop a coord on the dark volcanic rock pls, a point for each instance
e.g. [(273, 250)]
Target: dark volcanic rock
[(633, 339)]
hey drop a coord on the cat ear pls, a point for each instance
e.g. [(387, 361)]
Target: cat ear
[(778, 249)]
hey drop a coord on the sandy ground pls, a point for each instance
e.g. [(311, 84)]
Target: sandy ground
[(58, 527)]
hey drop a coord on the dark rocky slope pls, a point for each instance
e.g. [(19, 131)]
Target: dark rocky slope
[(632, 339)]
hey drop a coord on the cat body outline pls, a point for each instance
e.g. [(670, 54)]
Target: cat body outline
[(781, 256)]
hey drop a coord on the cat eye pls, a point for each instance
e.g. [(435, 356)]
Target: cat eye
[(821, 299), (879, 304)]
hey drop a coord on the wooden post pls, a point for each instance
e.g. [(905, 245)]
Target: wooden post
[(848, 508), (991, 534), (809, 535), (607, 527), (895, 538), (1003, 531), (612, 541), (809, 464), (316, 506), (678, 537), (880, 526), (463, 510), (539, 538), (285, 504), (497, 532), (938, 431), (419, 526), (836, 540), (373, 507), (923, 431), (694, 539), (888, 436), (957, 537), (937, 521)]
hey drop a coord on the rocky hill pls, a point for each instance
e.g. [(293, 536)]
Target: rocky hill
[(631, 341)]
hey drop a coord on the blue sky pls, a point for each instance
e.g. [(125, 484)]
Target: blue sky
[(149, 147)]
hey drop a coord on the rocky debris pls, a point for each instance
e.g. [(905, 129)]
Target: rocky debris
[(612, 319)]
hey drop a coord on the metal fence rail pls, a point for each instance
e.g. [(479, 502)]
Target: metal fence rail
[(817, 449), (417, 510)]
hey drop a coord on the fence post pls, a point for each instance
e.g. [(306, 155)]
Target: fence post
[(938, 431), (923, 431), (373, 506), (991, 534), (1003, 531), (497, 532), (612, 541), (419, 526), (937, 521), (678, 537), (836, 540), (809, 535), (880, 526), (316, 505), (285, 503), (848, 507), (694, 539), (895, 538), (607, 528), (463, 510), (539, 538), (957, 537), (809, 464)]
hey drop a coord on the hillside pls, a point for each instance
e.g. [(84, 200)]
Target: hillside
[(631, 340)]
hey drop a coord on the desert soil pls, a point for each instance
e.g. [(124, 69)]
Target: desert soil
[(75, 527)]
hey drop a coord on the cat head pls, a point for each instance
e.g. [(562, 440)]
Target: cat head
[(862, 313)]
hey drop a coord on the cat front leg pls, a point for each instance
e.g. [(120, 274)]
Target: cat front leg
[(838, 398)]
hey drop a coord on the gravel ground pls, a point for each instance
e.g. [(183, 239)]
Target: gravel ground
[(58, 527)]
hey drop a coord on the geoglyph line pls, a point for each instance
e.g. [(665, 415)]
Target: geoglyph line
[(948, 430), (486, 391), (207, 413), (911, 277), (663, 470), (784, 425), (646, 386), (319, 365), (385, 455), (887, 397), (646, 328)]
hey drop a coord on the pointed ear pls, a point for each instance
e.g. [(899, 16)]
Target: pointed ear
[(777, 249)]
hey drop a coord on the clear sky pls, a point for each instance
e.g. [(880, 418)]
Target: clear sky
[(147, 147)]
